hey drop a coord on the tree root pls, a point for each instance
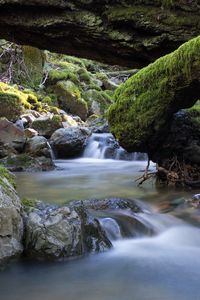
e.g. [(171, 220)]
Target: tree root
[(174, 173)]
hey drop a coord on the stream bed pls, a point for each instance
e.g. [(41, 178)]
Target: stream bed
[(162, 267)]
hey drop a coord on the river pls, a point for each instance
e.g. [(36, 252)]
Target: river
[(161, 267)]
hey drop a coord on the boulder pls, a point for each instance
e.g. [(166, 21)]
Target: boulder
[(69, 142), (11, 106), (58, 232), (11, 135), (27, 163), (38, 146), (11, 223), (69, 99), (145, 104), (46, 125)]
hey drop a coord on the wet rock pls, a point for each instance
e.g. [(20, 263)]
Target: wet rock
[(109, 204), (38, 146), (59, 232), (52, 233), (11, 224), (69, 142)]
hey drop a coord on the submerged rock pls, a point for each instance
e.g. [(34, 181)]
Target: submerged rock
[(69, 142), (11, 224)]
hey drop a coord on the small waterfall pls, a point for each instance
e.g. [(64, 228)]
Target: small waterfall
[(121, 224), (51, 151), (104, 145)]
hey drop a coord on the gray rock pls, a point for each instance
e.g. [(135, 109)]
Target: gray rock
[(53, 233), (46, 125), (38, 146), (58, 232), (69, 142), (11, 224), (27, 163)]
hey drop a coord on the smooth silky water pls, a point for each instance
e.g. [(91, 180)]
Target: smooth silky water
[(165, 266)]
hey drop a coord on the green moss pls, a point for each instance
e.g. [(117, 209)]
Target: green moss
[(101, 76), (29, 202), (146, 101), (60, 75), (47, 125), (19, 160), (101, 97), (27, 99), (11, 106), (93, 86), (84, 75), (4, 173), (50, 100), (69, 98), (34, 62), (168, 3)]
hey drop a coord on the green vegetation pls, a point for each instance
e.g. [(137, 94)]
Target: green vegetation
[(29, 202), (146, 101), (4, 173), (34, 63)]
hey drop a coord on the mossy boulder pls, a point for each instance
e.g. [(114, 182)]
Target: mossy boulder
[(11, 107), (45, 126), (19, 100), (69, 98), (98, 101), (34, 62), (27, 163), (144, 105)]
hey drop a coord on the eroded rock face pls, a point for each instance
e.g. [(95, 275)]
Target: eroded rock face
[(11, 224), (69, 142), (58, 232), (105, 30)]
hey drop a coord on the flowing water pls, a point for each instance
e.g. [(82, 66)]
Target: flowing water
[(162, 266)]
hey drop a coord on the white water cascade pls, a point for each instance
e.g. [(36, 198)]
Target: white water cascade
[(104, 145)]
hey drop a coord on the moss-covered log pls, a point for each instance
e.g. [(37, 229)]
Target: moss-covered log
[(128, 32), (144, 105)]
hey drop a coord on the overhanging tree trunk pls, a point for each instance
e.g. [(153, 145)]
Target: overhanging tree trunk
[(144, 105), (129, 33)]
